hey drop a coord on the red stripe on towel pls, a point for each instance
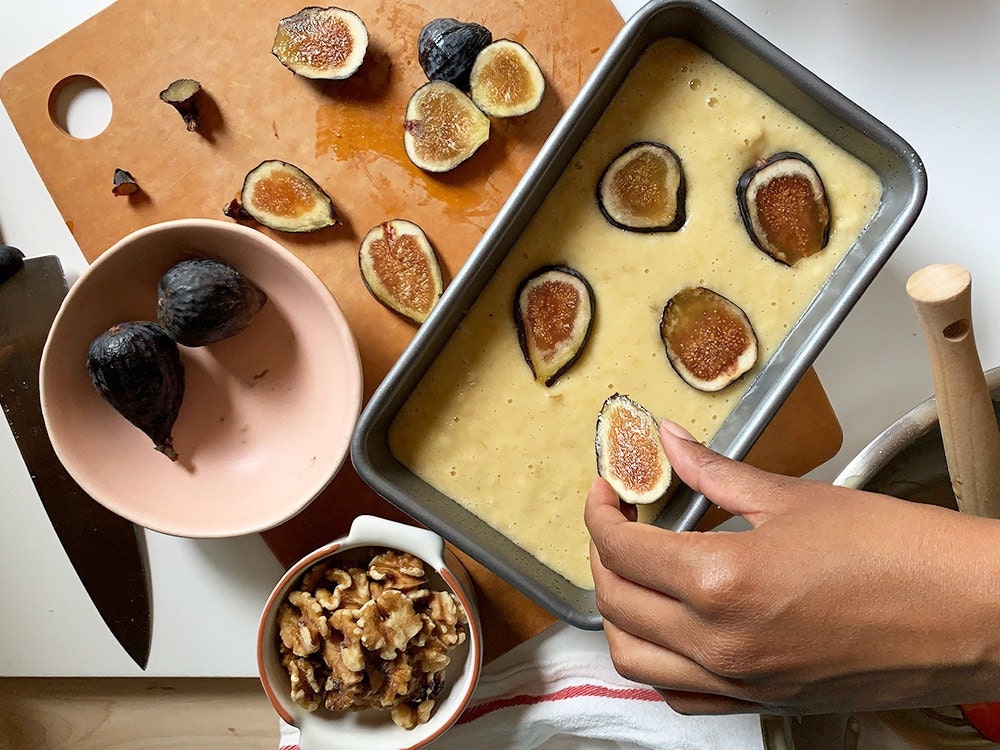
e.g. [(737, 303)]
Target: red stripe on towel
[(576, 691)]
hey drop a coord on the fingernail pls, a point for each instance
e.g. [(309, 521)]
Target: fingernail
[(675, 429)]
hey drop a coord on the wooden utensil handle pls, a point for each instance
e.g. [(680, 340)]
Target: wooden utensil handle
[(942, 297)]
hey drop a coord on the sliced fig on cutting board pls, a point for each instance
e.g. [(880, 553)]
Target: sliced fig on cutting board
[(443, 127), (784, 207), (506, 81), (328, 43), (553, 312), (643, 189), (282, 197), (400, 268), (708, 338), (629, 452)]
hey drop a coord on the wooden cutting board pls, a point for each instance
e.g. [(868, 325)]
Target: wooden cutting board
[(348, 136)]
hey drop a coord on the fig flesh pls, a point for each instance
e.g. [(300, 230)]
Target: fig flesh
[(784, 207), (136, 367), (629, 452), (281, 196), (447, 49), (443, 127), (201, 301), (643, 189), (506, 81), (11, 261), (553, 313), (708, 338), (181, 96), (400, 269), (326, 43)]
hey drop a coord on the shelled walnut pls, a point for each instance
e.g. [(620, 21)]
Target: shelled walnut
[(373, 635)]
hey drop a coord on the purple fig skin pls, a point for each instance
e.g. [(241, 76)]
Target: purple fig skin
[(447, 49), (137, 368), (202, 301)]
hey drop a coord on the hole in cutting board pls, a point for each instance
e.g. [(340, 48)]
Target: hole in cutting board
[(80, 106)]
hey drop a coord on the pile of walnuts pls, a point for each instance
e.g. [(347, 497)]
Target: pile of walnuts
[(374, 637)]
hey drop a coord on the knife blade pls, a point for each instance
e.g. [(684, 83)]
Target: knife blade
[(107, 551)]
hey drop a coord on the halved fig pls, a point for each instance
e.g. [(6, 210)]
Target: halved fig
[(643, 189), (281, 196), (629, 452), (400, 268), (443, 127), (784, 207), (708, 338), (328, 43), (506, 81), (553, 313), (447, 49)]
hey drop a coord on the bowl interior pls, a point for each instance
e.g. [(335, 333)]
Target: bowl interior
[(266, 417), (370, 729)]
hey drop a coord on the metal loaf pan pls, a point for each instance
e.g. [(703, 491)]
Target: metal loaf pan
[(742, 50)]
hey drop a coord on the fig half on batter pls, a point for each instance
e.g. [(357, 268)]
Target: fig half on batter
[(553, 313), (708, 338), (629, 452), (400, 269), (643, 189), (784, 207)]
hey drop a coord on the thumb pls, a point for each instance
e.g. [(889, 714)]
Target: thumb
[(734, 486)]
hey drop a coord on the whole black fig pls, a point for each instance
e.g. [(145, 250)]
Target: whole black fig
[(136, 367), (201, 301), (447, 49)]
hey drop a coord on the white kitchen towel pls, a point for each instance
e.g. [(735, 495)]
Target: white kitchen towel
[(560, 691)]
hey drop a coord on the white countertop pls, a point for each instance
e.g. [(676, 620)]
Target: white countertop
[(926, 69)]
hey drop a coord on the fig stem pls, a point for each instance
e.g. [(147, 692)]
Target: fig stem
[(124, 183), (180, 95), (167, 449)]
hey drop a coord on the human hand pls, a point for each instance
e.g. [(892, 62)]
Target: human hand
[(836, 599)]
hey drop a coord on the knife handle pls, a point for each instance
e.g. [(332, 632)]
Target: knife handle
[(942, 297)]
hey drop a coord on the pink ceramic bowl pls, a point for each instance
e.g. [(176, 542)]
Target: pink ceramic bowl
[(372, 729), (267, 415)]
